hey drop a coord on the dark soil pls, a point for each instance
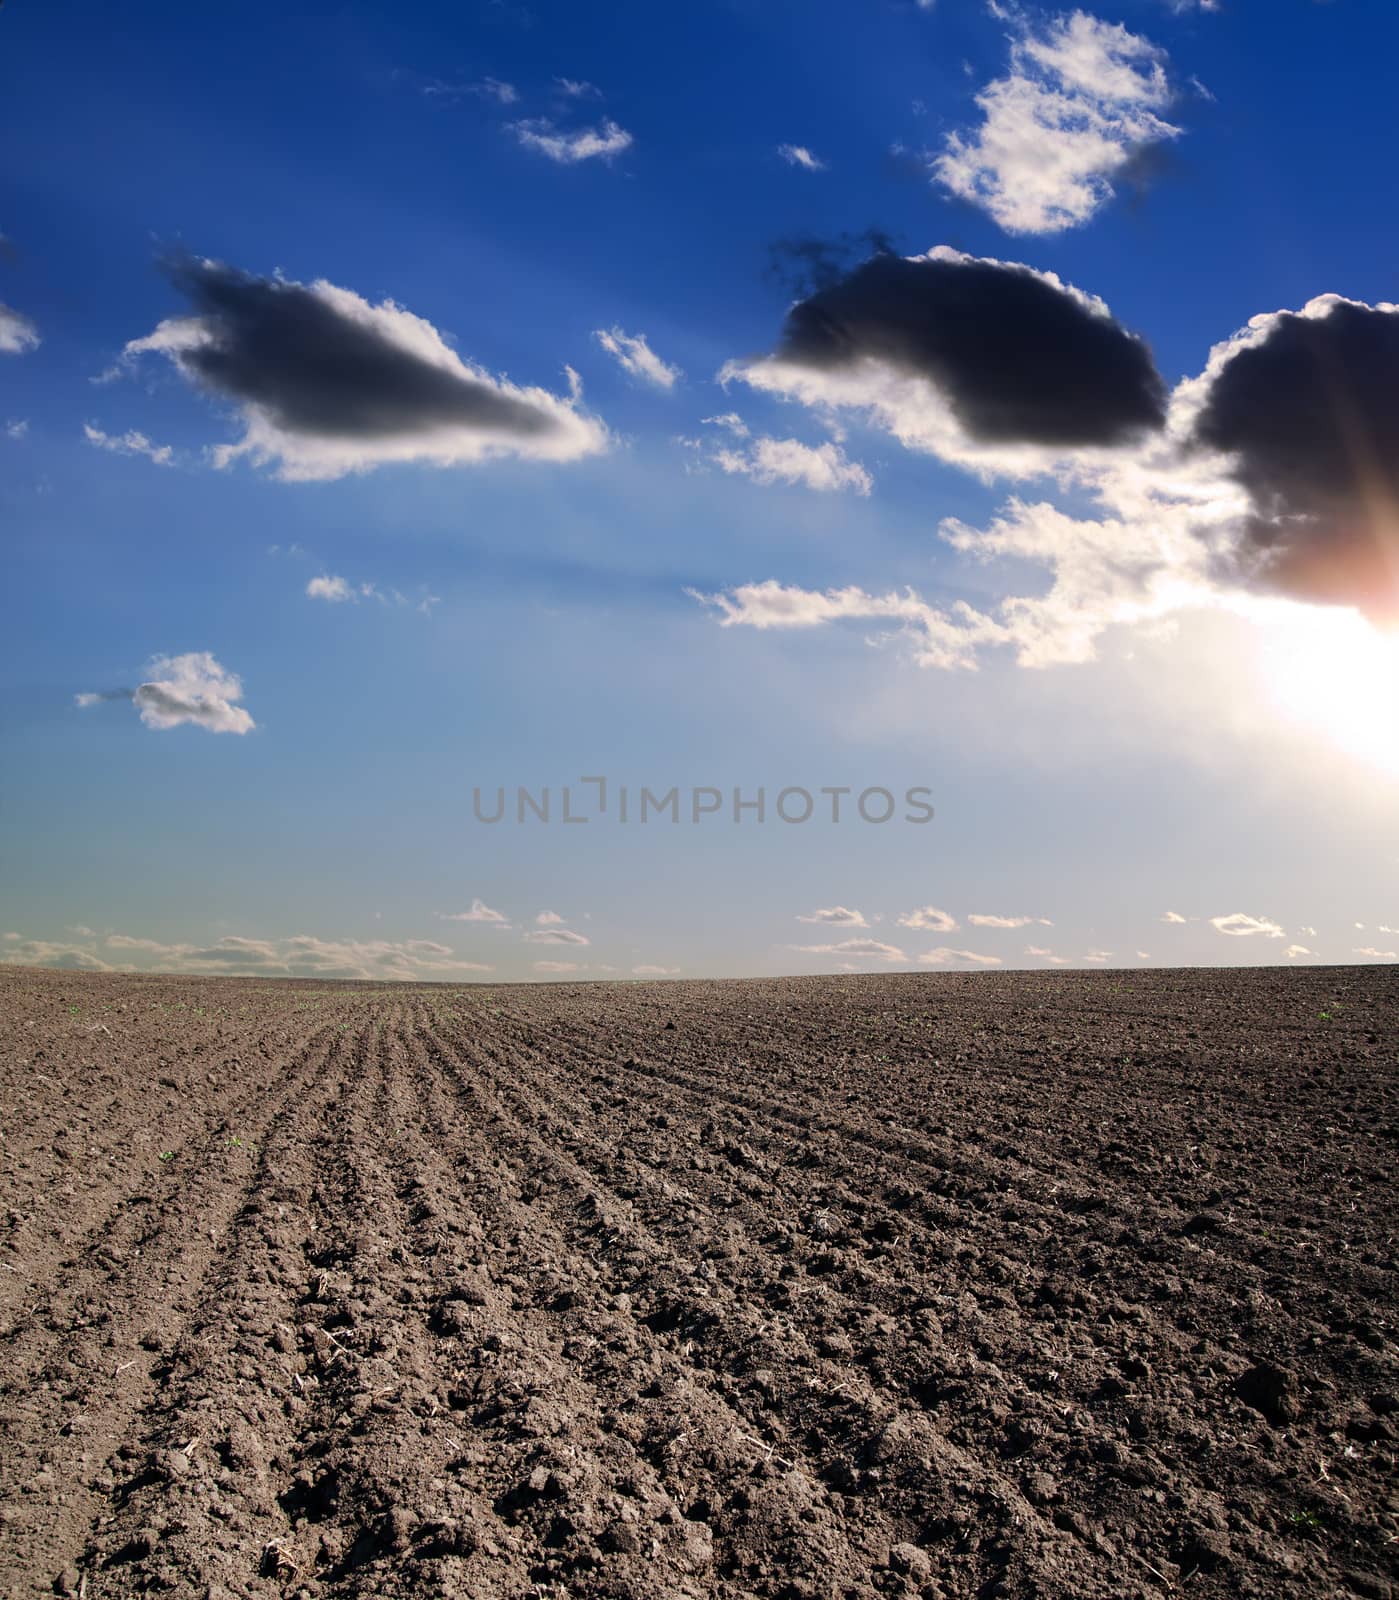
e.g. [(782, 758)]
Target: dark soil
[(998, 1285)]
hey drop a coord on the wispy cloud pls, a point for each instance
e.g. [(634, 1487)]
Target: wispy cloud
[(871, 949), (981, 919), (302, 956), (834, 917), (636, 357), (604, 142), (797, 155), (823, 467), (17, 333), (555, 935), (479, 912), (130, 443), (944, 957), (1240, 926)]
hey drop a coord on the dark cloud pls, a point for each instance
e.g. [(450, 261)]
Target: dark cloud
[(314, 368), (1019, 358), (1309, 411)]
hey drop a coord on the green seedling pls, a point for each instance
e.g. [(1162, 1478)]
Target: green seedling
[(167, 1155), (1306, 1523)]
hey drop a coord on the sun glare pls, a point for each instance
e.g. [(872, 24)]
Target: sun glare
[(1336, 673)]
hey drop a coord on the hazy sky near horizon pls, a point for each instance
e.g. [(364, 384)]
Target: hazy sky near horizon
[(998, 401)]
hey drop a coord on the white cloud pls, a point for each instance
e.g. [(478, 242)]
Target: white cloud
[(578, 89), (945, 957), (549, 919), (869, 948), (504, 94), (301, 956), (1099, 957), (942, 638), (797, 155), (1371, 954), (17, 428), (17, 333), (558, 966), (984, 920), (1143, 955), (328, 587), (21, 952), (1041, 954), (646, 971), (729, 420), (1293, 951), (190, 688), (1239, 926), (130, 443), (821, 467), (479, 912), (1173, 916), (835, 917), (582, 144), (1081, 98), (555, 936), (928, 919), (637, 357)]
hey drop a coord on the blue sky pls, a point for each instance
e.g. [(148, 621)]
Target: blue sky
[(710, 557)]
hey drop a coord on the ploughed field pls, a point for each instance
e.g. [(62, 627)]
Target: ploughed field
[(997, 1285)]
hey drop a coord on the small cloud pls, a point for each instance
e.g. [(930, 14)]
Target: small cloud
[(191, 688), (1239, 926), (505, 94), (645, 971), (130, 443), (1041, 954), (555, 936), (729, 420), (326, 587), (1173, 916), (945, 957), (17, 333), (867, 948), (928, 919), (1293, 951), (1143, 955), (982, 920), (558, 966), (835, 917), (578, 89), (797, 155), (582, 144), (479, 912), (17, 428), (637, 357), (1099, 957), (549, 919), (822, 467), (1371, 954)]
